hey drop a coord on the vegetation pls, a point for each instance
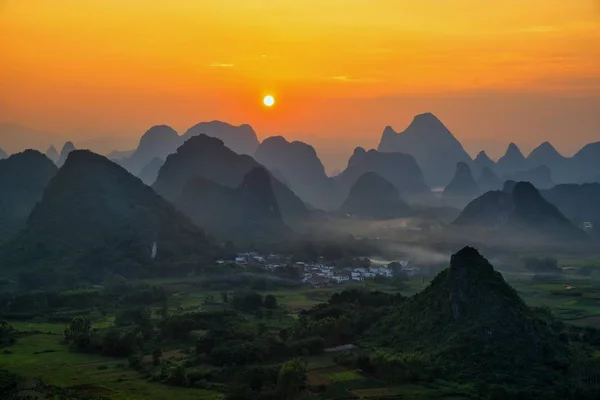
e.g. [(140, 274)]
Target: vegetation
[(193, 338)]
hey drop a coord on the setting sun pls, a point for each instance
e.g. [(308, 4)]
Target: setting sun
[(269, 101)]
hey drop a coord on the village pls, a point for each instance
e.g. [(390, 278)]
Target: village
[(320, 274)]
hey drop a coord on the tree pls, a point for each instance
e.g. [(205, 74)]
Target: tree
[(156, 355), (78, 332), (270, 302), (247, 301), (225, 297), (291, 378)]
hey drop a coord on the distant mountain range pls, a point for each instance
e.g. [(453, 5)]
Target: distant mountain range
[(299, 167), (3, 154), (433, 146), (399, 169), (373, 197), (463, 184), (162, 140), (518, 209), (23, 177), (97, 217), (208, 157), (249, 211), (64, 153)]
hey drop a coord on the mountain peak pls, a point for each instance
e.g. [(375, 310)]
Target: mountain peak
[(513, 149), (372, 196), (431, 143), (463, 184), (482, 156), (389, 131), (469, 258), (158, 133), (241, 139), (429, 122), (66, 149)]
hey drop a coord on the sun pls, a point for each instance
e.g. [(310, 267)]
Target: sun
[(269, 101)]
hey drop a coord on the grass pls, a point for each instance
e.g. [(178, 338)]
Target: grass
[(344, 376), (43, 356)]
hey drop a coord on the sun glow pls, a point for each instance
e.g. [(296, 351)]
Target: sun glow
[(269, 101)]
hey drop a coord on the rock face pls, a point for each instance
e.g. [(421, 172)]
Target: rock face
[(400, 169), (52, 154), (300, 168), (150, 171), (522, 210), (585, 164), (248, 211), (207, 157), (64, 153), (23, 177), (95, 216), (117, 155), (241, 139), (433, 146), (469, 310), (162, 140), (546, 154), (481, 162), (158, 142), (512, 161), (540, 177), (463, 184), (579, 203), (488, 180), (374, 197)]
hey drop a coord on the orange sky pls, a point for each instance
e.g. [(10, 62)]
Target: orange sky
[(493, 71)]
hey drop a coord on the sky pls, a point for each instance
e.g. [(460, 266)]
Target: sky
[(101, 72)]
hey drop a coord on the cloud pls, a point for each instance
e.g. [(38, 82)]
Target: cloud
[(221, 65), (350, 79)]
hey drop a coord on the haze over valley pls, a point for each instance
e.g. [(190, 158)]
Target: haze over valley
[(324, 200)]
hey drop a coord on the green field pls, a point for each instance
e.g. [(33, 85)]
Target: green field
[(40, 353), (43, 356)]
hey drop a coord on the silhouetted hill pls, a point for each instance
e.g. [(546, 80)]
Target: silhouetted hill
[(523, 210), (463, 184), (248, 211), (470, 322), (67, 148), (300, 169), (150, 171), (481, 162), (23, 177), (117, 155), (400, 169), (3, 154), (204, 156), (162, 140), (546, 154), (579, 203), (433, 146), (95, 216), (585, 164), (52, 154), (488, 180), (158, 142), (374, 197), (540, 177), (241, 139), (512, 161)]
